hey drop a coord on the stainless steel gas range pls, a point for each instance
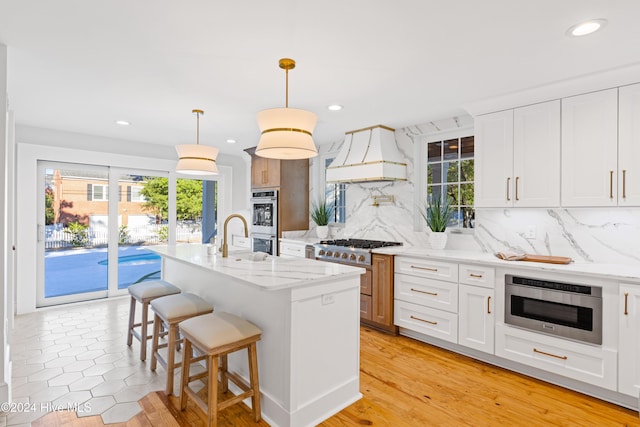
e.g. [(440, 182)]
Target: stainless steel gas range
[(376, 284), (349, 251)]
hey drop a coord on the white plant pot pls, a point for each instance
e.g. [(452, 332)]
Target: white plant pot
[(322, 231), (438, 240)]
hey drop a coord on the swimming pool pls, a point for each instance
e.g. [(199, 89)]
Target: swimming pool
[(77, 271)]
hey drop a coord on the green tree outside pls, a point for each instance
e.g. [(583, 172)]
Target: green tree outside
[(188, 198)]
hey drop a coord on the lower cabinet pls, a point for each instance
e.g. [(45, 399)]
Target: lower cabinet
[(629, 340), (429, 321), (376, 294), (582, 362), (476, 319)]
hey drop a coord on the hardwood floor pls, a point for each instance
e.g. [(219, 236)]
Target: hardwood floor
[(408, 383)]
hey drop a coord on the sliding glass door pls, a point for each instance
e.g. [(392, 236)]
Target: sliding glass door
[(96, 225)]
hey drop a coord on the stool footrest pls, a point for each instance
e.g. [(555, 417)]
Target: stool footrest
[(235, 399)]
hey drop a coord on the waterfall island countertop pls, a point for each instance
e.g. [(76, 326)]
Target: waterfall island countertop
[(272, 273), (309, 314)]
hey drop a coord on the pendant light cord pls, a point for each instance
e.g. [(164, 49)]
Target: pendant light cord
[(286, 71)]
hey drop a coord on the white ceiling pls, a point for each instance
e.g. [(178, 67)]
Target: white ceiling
[(79, 65)]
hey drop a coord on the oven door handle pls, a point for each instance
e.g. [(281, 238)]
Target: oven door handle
[(263, 199)]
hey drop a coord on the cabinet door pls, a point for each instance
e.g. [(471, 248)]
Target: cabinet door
[(536, 155), (494, 159), (265, 173), (629, 340), (382, 289), (589, 149), (476, 318), (629, 146)]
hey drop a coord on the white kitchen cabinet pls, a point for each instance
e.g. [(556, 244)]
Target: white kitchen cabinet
[(292, 248), (476, 318), (517, 157), (629, 340), (587, 363), (629, 146), (428, 321), (590, 149), (493, 154)]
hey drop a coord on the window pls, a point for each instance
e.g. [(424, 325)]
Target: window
[(100, 192), (335, 195), (135, 194), (450, 172)]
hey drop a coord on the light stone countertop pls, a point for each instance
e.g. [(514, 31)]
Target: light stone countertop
[(299, 240), (274, 273), (618, 272)]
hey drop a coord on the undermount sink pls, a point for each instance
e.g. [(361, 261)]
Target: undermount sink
[(248, 256)]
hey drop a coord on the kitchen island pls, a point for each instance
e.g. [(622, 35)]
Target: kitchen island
[(309, 313)]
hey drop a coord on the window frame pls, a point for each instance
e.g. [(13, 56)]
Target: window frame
[(343, 189)]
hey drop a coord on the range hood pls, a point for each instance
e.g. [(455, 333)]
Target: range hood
[(369, 154)]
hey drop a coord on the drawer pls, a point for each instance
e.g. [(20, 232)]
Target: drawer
[(429, 321), (582, 362), (477, 275), (428, 292), (421, 267), (292, 249)]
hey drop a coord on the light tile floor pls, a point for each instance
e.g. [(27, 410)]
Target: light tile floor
[(77, 356)]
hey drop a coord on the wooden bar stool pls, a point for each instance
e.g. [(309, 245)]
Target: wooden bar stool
[(215, 336), (144, 293), (170, 311)]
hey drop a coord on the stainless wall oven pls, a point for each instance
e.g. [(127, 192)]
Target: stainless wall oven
[(264, 221), (562, 309)]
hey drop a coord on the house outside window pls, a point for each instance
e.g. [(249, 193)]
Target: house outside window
[(336, 195), (450, 172), (99, 192)]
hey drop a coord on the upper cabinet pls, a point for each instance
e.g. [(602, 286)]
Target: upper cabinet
[(291, 178), (590, 149), (518, 157), (629, 146), (601, 148)]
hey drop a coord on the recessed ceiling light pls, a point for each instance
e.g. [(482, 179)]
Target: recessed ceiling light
[(122, 122), (231, 141), (587, 27), (335, 107)]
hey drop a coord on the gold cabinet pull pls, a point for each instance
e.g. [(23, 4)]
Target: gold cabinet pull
[(424, 268), (517, 180), (626, 303), (624, 183), (424, 292), (425, 321), (477, 276), (488, 305), (550, 354), (508, 183), (611, 184)]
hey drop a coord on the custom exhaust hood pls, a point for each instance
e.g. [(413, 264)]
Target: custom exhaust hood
[(369, 154)]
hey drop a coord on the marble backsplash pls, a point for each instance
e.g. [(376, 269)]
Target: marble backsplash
[(592, 235)]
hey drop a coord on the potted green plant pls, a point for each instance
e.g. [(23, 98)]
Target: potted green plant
[(321, 215), (437, 214)]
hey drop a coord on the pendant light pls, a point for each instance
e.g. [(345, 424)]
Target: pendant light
[(286, 132), (196, 159)]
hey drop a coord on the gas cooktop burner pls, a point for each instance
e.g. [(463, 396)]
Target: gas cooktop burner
[(359, 243), (349, 251)]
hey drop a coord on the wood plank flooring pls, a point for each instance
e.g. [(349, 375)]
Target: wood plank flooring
[(409, 383)]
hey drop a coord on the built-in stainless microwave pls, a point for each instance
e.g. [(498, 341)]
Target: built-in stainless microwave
[(264, 243), (566, 310)]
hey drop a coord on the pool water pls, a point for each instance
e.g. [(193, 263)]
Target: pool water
[(77, 271)]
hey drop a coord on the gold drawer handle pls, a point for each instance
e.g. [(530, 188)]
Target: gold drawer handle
[(424, 268), (611, 184), (425, 321), (508, 183), (477, 276), (624, 183), (424, 292), (517, 179), (626, 303), (550, 354), (488, 305)]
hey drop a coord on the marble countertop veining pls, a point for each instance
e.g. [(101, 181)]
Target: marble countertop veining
[(305, 240), (619, 272), (274, 273)]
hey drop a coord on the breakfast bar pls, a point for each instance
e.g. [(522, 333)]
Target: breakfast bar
[(309, 314)]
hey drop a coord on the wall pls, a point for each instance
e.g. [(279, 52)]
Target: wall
[(590, 235)]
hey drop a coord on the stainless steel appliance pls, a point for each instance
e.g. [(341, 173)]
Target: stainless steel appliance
[(566, 310), (349, 251), (264, 221)]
